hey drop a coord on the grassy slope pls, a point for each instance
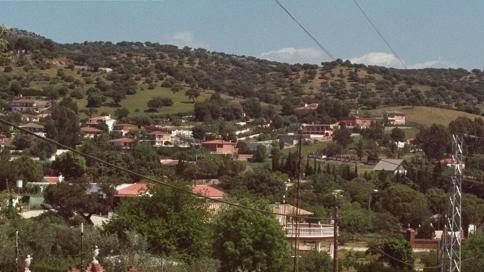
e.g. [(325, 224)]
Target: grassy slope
[(181, 104), (428, 115)]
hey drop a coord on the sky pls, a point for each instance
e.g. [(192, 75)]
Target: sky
[(427, 33)]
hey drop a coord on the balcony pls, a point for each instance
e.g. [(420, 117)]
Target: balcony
[(309, 231)]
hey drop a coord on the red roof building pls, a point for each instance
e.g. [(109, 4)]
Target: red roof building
[(159, 138), (90, 132), (131, 189), (208, 191), (123, 129), (221, 147), (123, 143), (357, 122)]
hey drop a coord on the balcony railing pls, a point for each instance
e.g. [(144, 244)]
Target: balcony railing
[(309, 230)]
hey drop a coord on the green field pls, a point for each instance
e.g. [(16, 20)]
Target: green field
[(306, 148), (427, 115), (136, 103)]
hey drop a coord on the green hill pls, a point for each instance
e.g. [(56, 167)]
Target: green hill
[(139, 71), (427, 115)]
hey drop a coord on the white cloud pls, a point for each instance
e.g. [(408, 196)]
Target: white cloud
[(377, 58), (433, 64), (390, 60), (295, 55), (185, 38)]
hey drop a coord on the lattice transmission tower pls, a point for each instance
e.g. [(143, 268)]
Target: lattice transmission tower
[(455, 232)]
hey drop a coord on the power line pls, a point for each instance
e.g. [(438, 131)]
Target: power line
[(404, 262), (152, 180), (320, 45), (370, 21)]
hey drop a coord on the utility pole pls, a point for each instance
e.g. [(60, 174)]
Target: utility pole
[(82, 245), (298, 182), (335, 238), (16, 250), (453, 245)]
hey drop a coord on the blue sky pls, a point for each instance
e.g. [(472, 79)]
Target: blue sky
[(424, 33)]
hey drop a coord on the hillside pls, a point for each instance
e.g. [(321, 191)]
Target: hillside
[(426, 116), (105, 76)]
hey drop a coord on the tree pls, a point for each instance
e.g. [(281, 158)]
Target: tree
[(4, 55), (252, 107), (408, 205), (435, 141), (157, 102), (333, 149), (95, 100), (71, 197), (359, 148), (398, 134), (260, 154), (63, 126), (42, 149), (26, 169), (355, 219), (121, 113), (394, 250), (70, 165), (315, 262), (263, 183), (146, 159), (473, 253), (23, 141), (276, 158), (249, 241), (472, 211), (192, 94), (342, 136), (172, 221)]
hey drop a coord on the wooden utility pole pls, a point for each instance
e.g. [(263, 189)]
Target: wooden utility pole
[(82, 245), (298, 182), (335, 239)]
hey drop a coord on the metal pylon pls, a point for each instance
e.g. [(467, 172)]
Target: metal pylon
[(455, 233)]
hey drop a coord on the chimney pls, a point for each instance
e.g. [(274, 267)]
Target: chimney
[(410, 236)]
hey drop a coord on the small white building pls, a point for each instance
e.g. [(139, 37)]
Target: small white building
[(98, 120), (395, 166)]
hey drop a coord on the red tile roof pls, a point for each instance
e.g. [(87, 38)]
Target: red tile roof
[(51, 180), (131, 190), (169, 162), (90, 130), (208, 191), (126, 126)]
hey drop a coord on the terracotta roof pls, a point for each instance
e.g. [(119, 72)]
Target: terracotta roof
[(122, 140), (51, 180), (125, 126), (218, 142), (94, 266), (131, 190), (208, 191), (90, 130), (169, 162)]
